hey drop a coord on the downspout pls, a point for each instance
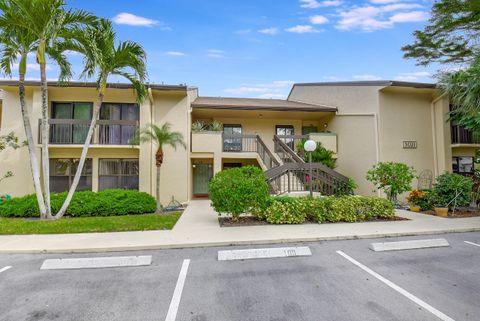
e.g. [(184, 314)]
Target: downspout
[(150, 99)]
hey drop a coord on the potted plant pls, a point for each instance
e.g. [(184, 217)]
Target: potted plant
[(451, 190), (416, 199)]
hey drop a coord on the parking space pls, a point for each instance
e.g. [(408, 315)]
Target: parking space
[(191, 284)]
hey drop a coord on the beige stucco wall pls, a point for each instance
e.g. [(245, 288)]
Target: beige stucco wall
[(356, 126), (357, 150), (442, 136), (15, 160), (175, 174), (406, 117), (170, 107)]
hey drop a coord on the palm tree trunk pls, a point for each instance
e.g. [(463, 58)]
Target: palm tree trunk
[(158, 163), (83, 157), (45, 141), (159, 203), (31, 147)]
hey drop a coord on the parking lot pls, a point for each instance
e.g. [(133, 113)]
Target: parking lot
[(342, 280)]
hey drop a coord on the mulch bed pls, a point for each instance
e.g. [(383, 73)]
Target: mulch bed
[(459, 213), (252, 221)]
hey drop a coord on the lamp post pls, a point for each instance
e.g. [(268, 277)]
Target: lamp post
[(310, 146)]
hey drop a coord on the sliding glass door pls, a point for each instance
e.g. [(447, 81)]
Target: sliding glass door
[(118, 134)]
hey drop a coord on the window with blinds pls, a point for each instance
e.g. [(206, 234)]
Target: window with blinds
[(62, 172), (118, 173)]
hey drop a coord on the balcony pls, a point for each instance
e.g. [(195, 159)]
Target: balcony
[(462, 136), (74, 131)]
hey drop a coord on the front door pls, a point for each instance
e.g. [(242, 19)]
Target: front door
[(286, 130), (202, 174)]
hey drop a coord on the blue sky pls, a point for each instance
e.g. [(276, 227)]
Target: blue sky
[(258, 48)]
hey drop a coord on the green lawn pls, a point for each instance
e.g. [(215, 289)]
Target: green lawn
[(89, 224)]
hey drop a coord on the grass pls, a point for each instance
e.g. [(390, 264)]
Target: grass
[(90, 224)]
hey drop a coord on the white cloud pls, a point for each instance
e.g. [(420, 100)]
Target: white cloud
[(269, 31), (175, 53), (313, 4), (384, 1), (413, 16), (215, 53), (275, 89), (32, 66), (272, 96), (302, 29), (413, 76), (318, 19), (370, 17), (125, 18), (367, 77)]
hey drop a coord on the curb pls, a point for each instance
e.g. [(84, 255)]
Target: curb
[(234, 243)]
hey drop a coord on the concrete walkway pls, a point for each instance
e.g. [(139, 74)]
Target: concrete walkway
[(199, 227)]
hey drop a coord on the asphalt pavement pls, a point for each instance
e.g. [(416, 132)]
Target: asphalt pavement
[(342, 280)]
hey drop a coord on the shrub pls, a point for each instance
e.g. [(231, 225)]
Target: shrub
[(239, 190), (392, 178), (452, 190), (319, 155), (421, 198), (104, 203), (286, 212)]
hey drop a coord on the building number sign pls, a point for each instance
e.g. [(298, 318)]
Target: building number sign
[(409, 144)]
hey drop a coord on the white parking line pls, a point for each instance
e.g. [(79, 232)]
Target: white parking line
[(472, 243), (400, 290), (177, 294), (5, 268)]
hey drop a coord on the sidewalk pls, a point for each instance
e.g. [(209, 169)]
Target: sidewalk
[(198, 227)]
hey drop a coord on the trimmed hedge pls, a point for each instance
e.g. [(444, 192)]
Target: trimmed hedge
[(239, 190), (289, 210), (105, 203)]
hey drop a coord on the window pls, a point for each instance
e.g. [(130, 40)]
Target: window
[(118, 173), (286, 130), (118, 134), (230, 142), (309, 129), (62, 172), (69, 133), (462, 164)]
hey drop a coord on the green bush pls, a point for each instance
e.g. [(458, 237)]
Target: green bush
[(289, 210), (452, 190), (392, 178), (319, 155), (239, 190), (105, 203), (286, 211)]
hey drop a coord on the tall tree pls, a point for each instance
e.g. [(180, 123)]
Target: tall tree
[(104, 58), (50, 23), (451, 35), (160, 136), (16, 44)]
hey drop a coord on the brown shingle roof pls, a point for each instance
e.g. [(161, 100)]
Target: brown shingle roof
[(92, 85), (257, 104)]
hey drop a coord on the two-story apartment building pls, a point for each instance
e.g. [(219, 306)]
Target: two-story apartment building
[(362, 122)]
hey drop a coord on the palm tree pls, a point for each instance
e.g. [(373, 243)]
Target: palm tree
[(104, 58), (49, 23), (16, 44), (463, 90), (159, 136)]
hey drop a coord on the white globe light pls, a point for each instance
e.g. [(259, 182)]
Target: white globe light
[(310, 145)]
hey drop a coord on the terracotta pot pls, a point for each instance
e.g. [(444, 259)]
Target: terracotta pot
[(414, 208), (441, 211)]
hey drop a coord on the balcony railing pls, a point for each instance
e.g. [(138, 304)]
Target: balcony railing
[(461, 135), (249, 144), (74, 131)]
